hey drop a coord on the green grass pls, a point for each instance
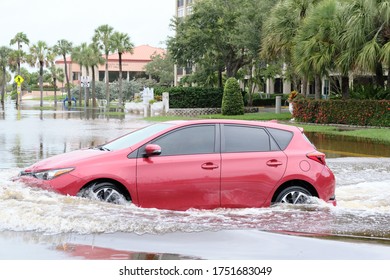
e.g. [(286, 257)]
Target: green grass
[(375, 134), (381, 135)]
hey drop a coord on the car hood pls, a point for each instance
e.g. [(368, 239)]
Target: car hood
[(70, 159)]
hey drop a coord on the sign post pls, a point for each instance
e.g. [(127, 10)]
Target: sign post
[(19, 80), (85, 84)]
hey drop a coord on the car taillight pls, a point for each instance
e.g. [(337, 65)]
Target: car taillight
[(317, 156)]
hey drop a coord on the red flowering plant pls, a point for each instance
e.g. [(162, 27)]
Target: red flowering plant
[(294, 96)]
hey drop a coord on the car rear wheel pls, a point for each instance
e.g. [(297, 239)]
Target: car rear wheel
[(294, 195), (104, 191)]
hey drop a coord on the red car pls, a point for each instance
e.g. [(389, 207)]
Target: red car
[(194, 164)]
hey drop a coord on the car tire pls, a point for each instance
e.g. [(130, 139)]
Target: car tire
[(294, 195), (105, 191)]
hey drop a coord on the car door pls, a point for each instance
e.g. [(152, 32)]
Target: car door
[(187, 172), (252, 165)]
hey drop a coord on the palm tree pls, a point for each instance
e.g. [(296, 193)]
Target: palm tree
[(19, 39), (366, 38), (316, 42), (77, 56), (64, 47), (120, 42), (91, 57), (102, 38), (280, 29), (40, 56), (95, 59), (4, 59), (55, 74)]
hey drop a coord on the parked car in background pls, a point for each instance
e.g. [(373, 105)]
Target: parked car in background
[(201, 164)]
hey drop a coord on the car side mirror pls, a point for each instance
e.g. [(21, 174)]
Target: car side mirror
[(152, 150)]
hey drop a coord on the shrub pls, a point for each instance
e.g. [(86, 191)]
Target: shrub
[(192, 97), (232, 101), (350, 112)]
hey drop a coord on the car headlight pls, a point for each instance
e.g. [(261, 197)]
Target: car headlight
[(51, 174)]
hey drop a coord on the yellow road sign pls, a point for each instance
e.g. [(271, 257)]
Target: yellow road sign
[(18, 79)]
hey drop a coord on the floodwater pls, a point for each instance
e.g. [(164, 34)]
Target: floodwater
[(37, 224)]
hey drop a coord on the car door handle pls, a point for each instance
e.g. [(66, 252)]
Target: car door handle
[(209, 165), (274, 162)]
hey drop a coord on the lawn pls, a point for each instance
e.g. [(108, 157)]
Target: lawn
[(375, 134)]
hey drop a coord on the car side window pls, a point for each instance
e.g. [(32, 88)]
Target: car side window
[(245, 139), (282, 137), (190, 140)]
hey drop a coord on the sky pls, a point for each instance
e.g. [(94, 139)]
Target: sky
[(145, 21)]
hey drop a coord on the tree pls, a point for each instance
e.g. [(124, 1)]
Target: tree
[(94, 59), (316, 43), (64, 47), (40, 56), (280, 29), (102, 38), (52, 76), (19, 39), (162, 67), (77, 56), (232, 100), (4, 59), (226, 33), (120, 42), (366, 38)]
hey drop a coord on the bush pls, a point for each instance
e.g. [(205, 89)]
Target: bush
[(232, 101), (350, 112), (192, 97), (369, 92)]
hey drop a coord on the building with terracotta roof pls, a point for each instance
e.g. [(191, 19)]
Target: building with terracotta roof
[(132, 65)]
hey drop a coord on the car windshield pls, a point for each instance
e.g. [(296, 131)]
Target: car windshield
[(134, 137)]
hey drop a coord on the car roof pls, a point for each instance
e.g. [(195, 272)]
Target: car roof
[(269, 124)]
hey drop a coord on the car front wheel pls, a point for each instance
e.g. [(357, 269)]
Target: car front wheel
[(294, 195), (104, 191)]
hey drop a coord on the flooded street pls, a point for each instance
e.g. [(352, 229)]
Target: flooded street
[(61, 227)]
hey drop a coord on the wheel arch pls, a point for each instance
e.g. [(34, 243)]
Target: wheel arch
[(122, 188), (300, 183)]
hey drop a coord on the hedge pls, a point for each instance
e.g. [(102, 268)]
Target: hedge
[(350, 112), (193, 97)]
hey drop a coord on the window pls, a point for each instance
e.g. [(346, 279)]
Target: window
[(180, 12), (245, 139), (75, 76), (189, 140), (282, 137), (180, 70)]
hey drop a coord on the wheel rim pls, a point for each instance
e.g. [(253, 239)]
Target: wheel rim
[(104, 192), (107, 194), (295, 197)]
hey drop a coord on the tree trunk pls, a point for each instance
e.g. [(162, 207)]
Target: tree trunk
[(55, 91), (41, 82), (304, 86), (120, 80), (87, 89), (3, 87), (379, 75), (67, 82), (220, 78), (317, 93), (345, 87), (93, 88), (80, 87), (107, 80), (388, 76)]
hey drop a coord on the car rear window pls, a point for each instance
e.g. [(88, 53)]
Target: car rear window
[(282, 137)]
